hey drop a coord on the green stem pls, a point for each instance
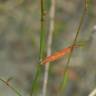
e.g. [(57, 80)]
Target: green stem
[(74, 42), (35, 81), (42, 34), (42, 46)]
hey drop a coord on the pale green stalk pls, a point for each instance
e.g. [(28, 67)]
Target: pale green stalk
[(42, 46), (74, 42)]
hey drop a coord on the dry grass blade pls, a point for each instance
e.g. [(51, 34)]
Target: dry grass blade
[(11, 87)]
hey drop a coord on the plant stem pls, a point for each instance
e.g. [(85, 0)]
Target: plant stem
[(42, 34), (42, 46), (74, 41), (49, 44)]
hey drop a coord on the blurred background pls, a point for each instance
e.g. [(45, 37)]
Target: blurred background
[(19, 46)]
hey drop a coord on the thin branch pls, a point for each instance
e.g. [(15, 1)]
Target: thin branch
[(74, 42), (11, 87), (49, 43)]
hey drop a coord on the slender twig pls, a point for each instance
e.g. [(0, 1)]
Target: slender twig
[(49, 43), (11, 87), (74, 42), (42, 43), (93, 93)]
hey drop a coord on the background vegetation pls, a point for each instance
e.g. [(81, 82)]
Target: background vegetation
[(20, 40)]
